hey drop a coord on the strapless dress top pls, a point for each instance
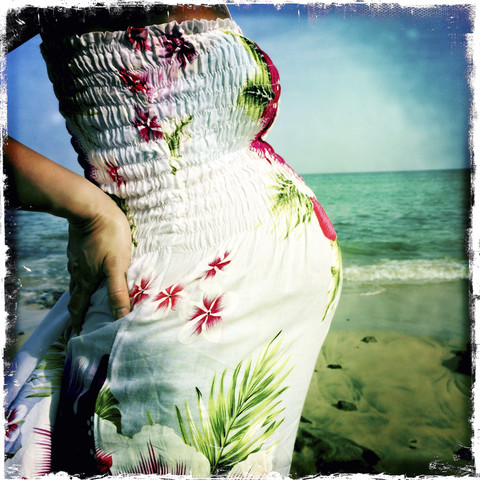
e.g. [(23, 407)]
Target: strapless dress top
[(171, 120)]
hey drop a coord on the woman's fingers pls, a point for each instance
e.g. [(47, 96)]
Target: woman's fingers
[(99, 250), (78, 305), (82, 287), (115, 269)]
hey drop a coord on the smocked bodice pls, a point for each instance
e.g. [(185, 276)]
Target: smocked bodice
[(153, 101)]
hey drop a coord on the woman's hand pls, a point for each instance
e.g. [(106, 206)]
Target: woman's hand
[(100, 242), (98, 249)]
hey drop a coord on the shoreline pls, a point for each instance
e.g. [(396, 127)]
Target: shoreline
[(439, 310)]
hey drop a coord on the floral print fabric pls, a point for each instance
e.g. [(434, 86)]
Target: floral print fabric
[(234, 277)]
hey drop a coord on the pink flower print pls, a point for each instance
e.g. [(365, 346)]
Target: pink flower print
[(175, 44), (265, 150), (148, 126), (112, 171), (138, 293), (14, 418), (104, 461), (134, 82), (138, 37), (323, 220), (207, 315), (271, 109), (169, 297), (217, 265), (206, 320), (44, 461)]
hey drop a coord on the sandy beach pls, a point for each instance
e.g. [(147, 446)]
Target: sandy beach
[(27, 320), (394, 397), (391, 388), (386, 398)]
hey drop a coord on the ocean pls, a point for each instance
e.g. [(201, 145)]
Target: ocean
[(393, 228), (398, 227)]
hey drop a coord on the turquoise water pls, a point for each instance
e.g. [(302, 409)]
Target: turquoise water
[(393, 227), (398, 227)]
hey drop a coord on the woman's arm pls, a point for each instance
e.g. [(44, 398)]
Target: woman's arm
[(99, 234)]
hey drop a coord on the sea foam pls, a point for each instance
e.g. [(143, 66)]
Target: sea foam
[(407, 271)]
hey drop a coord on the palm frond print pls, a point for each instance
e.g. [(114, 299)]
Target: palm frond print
[(290, 205), (254, 97), (174, 139), (49, 372), (237, 422)]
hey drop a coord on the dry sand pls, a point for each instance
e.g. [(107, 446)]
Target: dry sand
[(404, 407)]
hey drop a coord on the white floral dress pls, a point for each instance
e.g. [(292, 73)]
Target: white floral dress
[(234, 277)]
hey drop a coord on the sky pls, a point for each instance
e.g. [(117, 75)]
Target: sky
[(363, 88)]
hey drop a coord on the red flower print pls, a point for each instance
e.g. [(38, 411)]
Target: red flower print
[(265, 150), (104, 461), (148, 126), (90, 173), (44, 464), (206, 320), (207, 315), (138, 293), (217, 265), (323, 220), (153, 463), (11, 425), (169, 297), (138, 37), (134, 82), (271, 109), (175, 44), (112, 171), (14, 418)]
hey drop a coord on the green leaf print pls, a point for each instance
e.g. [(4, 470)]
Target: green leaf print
[(150, 419), (50, 369), (258, 56), (174, 139), (290, 204), (336, 280), (254, 98), (237, 422), (123, 205), (106, 408), (257, 90)]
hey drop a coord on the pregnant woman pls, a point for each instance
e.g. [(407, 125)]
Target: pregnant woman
[(204, 273)]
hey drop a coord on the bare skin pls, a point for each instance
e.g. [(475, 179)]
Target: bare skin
[(99, 245), (94, 220)]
